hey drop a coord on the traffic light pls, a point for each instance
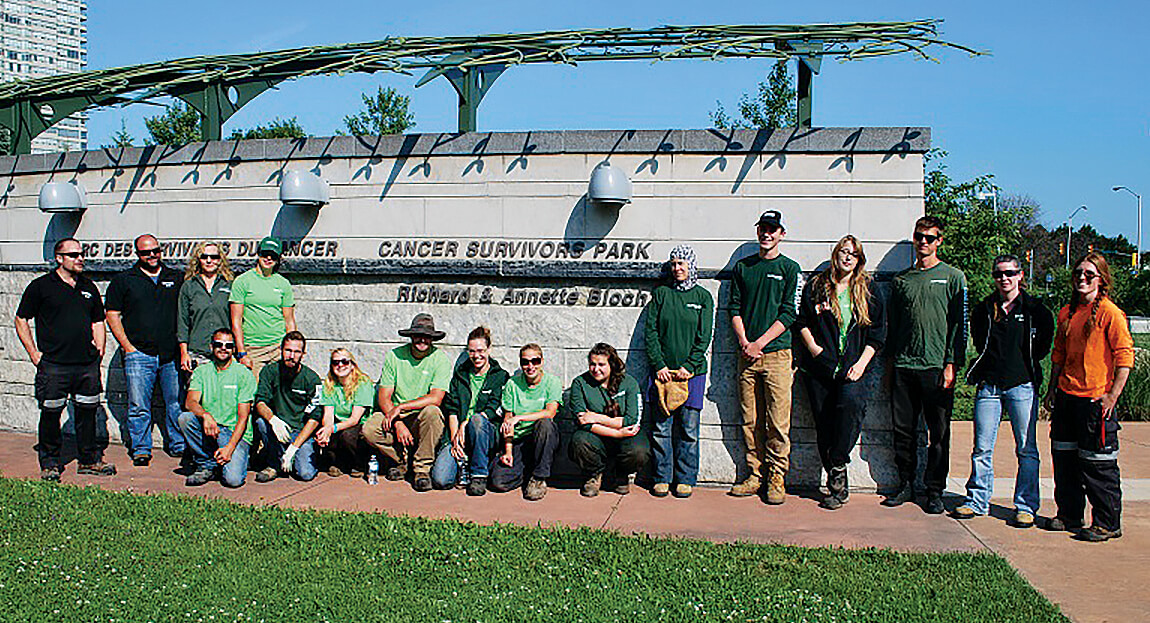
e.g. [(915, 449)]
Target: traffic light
[(1062, 248), (1134, 259), (1030, 255), (1090, 248)]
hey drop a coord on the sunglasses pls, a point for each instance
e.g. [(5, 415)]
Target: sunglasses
[(210, 256), (71, 254), (534, 361), (1084, 274), (927, 238), (770, 229), (998, 274), (148, 252), (219, 344), (846, 253), (339, 363), (271, 255)]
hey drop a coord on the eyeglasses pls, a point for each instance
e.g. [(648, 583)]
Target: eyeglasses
[(534, 361), (476, 351), (210, 256), (999, 274), (225, 345), (927, 238), (148, 252), (1084, 274), (271, 255), (339, 363), (71, 254)]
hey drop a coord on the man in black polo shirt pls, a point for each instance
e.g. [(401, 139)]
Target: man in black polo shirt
[(142, 316), (65, 305)]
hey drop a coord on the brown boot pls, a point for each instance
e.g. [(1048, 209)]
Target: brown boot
[(777, 488), (747, 488), (591, 487)]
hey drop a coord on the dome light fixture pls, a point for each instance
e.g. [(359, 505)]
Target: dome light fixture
[(62, 198), (305, 189), (609, 186)]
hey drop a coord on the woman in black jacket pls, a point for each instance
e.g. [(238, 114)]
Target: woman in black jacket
[(472, 407), (842, 328)]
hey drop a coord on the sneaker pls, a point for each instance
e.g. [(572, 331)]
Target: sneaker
[(393, 474), (966, 512), (536, 489), (592, 485), (934, 505), (905, 494), (334, 471), (1058, 524), (356, 473), (623, 485), (267, 474), (477, 486), (198, 477), (837, 484), (682, 491), (777, 487), (99, 468), (141, 460), (51, 474), (661, 490), (421, 483), (1023, 519), (1098, 534), (747, 488)]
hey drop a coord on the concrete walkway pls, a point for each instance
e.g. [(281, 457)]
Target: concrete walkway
[(1071, 574)]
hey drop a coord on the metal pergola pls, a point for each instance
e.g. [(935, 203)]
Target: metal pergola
[(218, 86)]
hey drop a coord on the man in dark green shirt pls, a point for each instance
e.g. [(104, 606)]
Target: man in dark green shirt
[(286, 402), (927, 342), (764, 292)]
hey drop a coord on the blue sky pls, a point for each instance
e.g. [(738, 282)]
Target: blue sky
[(1060, 110)]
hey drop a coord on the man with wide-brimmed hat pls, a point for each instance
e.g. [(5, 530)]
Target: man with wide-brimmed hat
[(411, 387)]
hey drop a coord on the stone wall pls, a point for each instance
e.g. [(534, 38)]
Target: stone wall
[(496, 230)]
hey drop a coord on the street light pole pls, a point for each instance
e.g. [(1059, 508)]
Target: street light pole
[(1070, 228), (1138, 257)]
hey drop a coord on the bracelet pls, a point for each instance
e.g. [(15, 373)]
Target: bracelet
[(241, 354)]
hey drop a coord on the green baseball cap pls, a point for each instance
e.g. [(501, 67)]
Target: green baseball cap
[(271, 244)]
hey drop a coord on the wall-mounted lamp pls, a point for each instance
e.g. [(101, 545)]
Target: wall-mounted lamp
[(62, 197), (609, 186), (304, 188)]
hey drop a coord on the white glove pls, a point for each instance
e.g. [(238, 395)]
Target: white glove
[(280, 428), (289, 457)]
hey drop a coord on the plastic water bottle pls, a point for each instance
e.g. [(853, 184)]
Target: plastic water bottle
[(464, 472), (373, 470)]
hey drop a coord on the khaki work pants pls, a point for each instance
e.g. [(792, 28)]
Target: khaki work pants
[(765, 401), (262, 356), (426, 426)]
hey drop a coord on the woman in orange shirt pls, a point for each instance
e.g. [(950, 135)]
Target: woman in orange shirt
[(1092, 357)]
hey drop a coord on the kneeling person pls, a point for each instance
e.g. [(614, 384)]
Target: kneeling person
[(287, 401), (216, 422)]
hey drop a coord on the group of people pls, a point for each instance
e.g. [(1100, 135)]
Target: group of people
[(478, 426)]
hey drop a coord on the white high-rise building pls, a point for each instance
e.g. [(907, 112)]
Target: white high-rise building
[(42, 38)]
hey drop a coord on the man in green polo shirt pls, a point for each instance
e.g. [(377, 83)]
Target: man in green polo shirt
[(216, 422), (287, 413), (411, 388), (262, 309)]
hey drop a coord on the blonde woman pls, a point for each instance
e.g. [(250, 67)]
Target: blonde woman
[(348, 393), (203, 303), (841, 326)]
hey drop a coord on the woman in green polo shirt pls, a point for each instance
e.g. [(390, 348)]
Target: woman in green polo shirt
[(348, 393), (605, 401), (203, 304), (262, 309)]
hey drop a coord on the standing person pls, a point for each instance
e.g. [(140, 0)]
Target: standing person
[(764, 295), (65, 306), (605, 401), (680, 320), (841, 327), (1012, 333), (262, 308), (928, 345), (473, 407), (1093, 355), (531, 398), (142, 304), (412, 385), (203, 303), (287, 414), (216, 422), (347, 395)]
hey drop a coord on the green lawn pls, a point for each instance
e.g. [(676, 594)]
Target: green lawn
[(72, 554)]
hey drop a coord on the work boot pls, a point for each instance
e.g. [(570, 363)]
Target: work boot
[(477, 486), (682, 491), (905, 494), (747, 488), (934, 505), (1061, 524), (661, 490), (334, 472), (99, 468), (198, 477), (777, 487), (1098, 534), (623, 484), (51, 474), (965, 512), (1023, 519), (267, 474), (592, 485), (837, 484), (141, 460), (421, 483), (536, 489), (394, 473)]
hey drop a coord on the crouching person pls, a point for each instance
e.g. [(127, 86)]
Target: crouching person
[(216, 422), (287, 399), (605, 399), (531, 399)]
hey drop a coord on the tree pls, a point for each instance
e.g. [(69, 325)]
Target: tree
[(120, 138), (384, 113), (179, 125), (276, 128), (774, 107)]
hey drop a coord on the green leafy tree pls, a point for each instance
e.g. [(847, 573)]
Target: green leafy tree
[(179, 125), (386, 112), (120, 138), (276, 128), (772, 107)]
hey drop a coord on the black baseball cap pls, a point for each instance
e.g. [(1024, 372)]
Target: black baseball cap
[(771, 218)]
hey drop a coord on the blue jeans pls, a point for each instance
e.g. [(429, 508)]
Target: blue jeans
[(1022, 408), (478, 439), (142, 372), (675, 441), (203, 448), (272, 450)]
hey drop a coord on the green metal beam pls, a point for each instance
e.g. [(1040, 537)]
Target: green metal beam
[(215, 106)]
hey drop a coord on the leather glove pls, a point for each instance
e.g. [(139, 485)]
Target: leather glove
[(289, 458), (281, 430)]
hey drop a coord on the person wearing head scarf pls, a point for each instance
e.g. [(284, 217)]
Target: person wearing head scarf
[(680, 320)]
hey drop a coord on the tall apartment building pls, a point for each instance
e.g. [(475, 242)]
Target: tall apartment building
[(41, 38)]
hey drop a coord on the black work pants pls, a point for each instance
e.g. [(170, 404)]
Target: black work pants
[(838, 407), (917, 392), (592, 452), (540, 446), (1084, 447), (54, 383)]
